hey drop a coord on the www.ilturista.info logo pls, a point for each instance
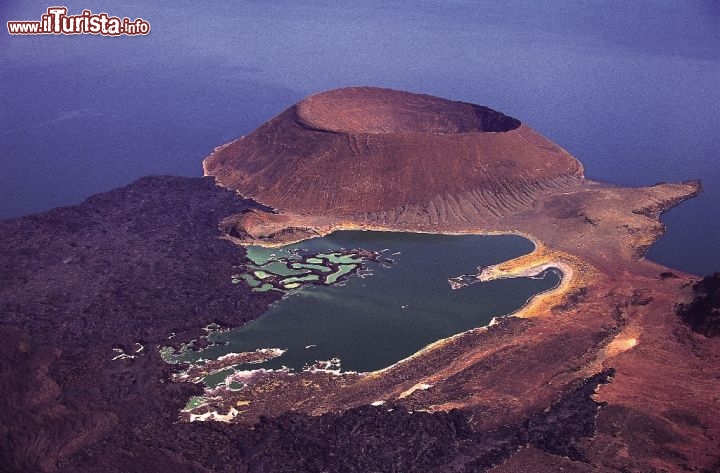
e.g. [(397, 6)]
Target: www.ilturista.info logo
[(57, 21)]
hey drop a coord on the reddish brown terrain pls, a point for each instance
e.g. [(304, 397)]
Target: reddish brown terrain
[(603, 374), (387, 160)]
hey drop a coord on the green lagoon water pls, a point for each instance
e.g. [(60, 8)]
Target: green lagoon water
[(370, 321)]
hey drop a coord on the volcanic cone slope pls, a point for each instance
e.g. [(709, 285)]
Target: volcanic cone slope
[(369, 150)]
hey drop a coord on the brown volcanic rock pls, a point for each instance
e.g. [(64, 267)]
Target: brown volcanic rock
[(366, 149), (35, 428)]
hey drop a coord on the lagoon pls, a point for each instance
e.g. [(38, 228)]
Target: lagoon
[(384, 311)]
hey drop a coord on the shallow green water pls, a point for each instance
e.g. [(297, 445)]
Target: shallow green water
[(372, 321)]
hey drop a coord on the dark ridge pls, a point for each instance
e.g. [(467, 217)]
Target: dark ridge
[(254, 204), (300, 123), (558, 429), (494, 121), (703, 313)]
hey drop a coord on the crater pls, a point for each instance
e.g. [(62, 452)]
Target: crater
[(393, 155), (369, 110)]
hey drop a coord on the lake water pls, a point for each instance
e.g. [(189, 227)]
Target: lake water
[(630, 88), (373, 321)]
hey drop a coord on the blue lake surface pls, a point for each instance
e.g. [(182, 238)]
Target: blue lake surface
[(629, 88)]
